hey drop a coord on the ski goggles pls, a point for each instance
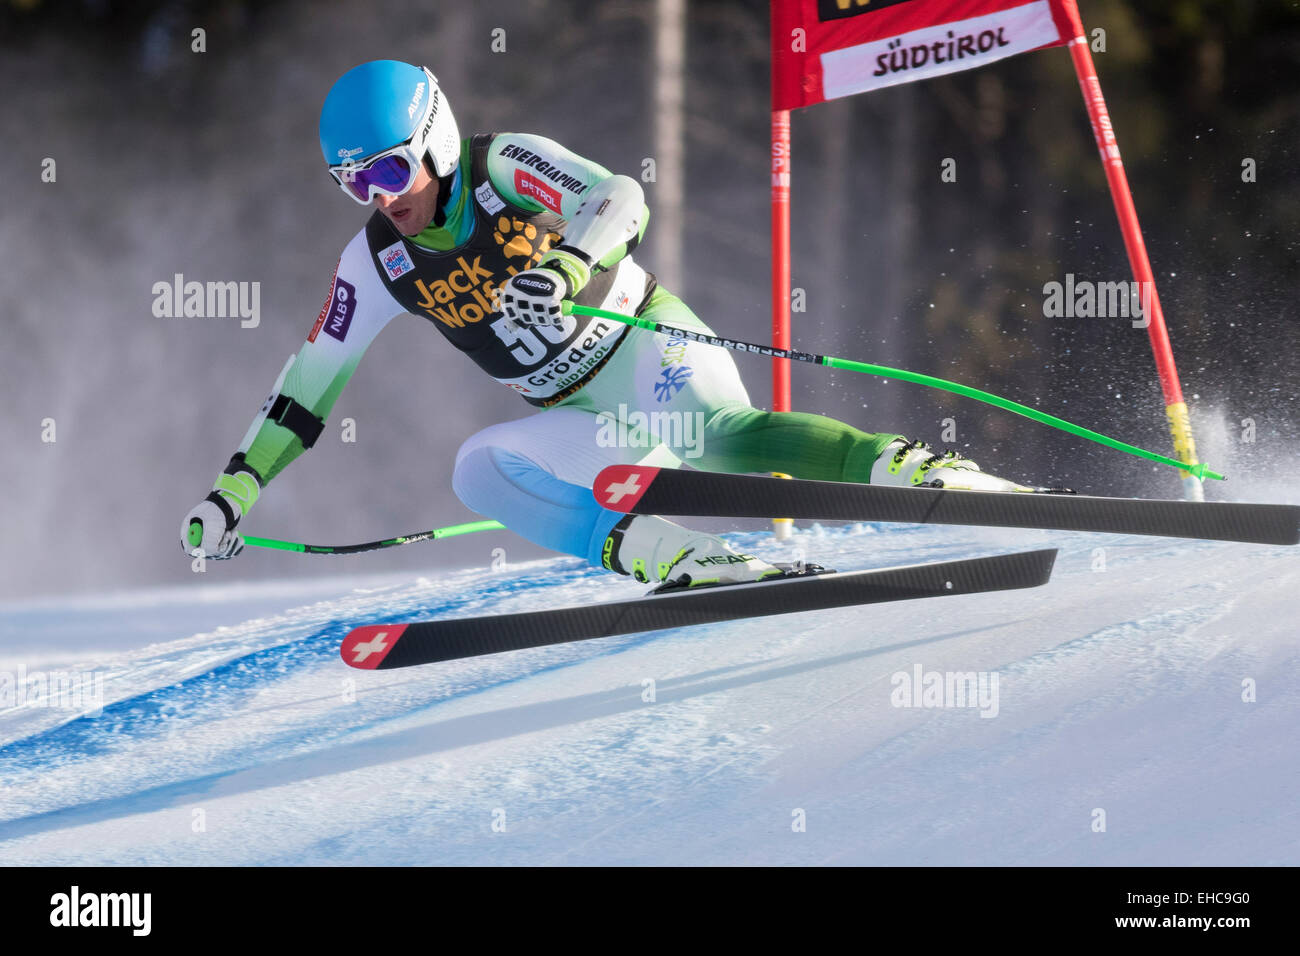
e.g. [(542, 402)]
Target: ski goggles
[(391, 172)]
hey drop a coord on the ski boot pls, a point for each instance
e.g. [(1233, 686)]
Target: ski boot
[(654, 550), (905, 463)]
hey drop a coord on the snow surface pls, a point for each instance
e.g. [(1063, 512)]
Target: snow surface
[(250, 742)]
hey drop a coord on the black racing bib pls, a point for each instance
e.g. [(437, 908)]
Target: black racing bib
[(454, 290)]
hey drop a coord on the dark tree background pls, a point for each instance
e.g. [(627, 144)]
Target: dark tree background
[(207, 164)]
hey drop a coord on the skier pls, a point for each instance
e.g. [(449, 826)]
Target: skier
[(486, 237)]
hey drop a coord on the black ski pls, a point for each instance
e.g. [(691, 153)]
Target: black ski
[(382, 646), (638, 490)]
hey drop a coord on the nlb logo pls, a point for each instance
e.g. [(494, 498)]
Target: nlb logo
[(336, 314), (342, 308)]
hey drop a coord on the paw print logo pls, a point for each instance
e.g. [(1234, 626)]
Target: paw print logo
[(521, 243)]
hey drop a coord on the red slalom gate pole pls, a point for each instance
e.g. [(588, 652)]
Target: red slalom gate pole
[(1180, 426), (780, 256), (781, 527)]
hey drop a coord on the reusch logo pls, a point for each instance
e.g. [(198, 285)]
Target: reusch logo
[(536, 283)]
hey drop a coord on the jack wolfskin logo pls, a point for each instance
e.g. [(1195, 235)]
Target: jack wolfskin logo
[(671, 381), (467, 294), (438, 298)]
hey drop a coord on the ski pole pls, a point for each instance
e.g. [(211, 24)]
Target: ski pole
[(448, 532), (1200, 470)]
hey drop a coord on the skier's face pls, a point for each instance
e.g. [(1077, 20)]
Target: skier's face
[(415, 208)]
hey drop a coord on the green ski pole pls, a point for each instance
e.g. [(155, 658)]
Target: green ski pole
[(448, 532), (1200, 470)]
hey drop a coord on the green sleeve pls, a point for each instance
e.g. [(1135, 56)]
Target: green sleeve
[(317, 374), (538, 173)]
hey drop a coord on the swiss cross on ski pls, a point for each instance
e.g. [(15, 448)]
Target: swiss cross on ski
[(426, 642), (367, 646), (621, 485)]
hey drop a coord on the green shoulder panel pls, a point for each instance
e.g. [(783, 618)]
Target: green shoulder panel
[(538, 173)]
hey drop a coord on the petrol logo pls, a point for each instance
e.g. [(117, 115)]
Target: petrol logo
[(526, 184)]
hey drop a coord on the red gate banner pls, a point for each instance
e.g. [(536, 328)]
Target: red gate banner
[(825, 49)]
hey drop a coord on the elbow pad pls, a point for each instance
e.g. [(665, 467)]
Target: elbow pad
[(285, 412), (609, 217)]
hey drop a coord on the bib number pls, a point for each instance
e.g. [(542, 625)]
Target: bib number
[(528, 344)]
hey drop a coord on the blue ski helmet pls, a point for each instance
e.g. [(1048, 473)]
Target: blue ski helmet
[(383, 103)]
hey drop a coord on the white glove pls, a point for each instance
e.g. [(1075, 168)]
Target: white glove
[(211, 523), (211, 529), (534, 297)]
